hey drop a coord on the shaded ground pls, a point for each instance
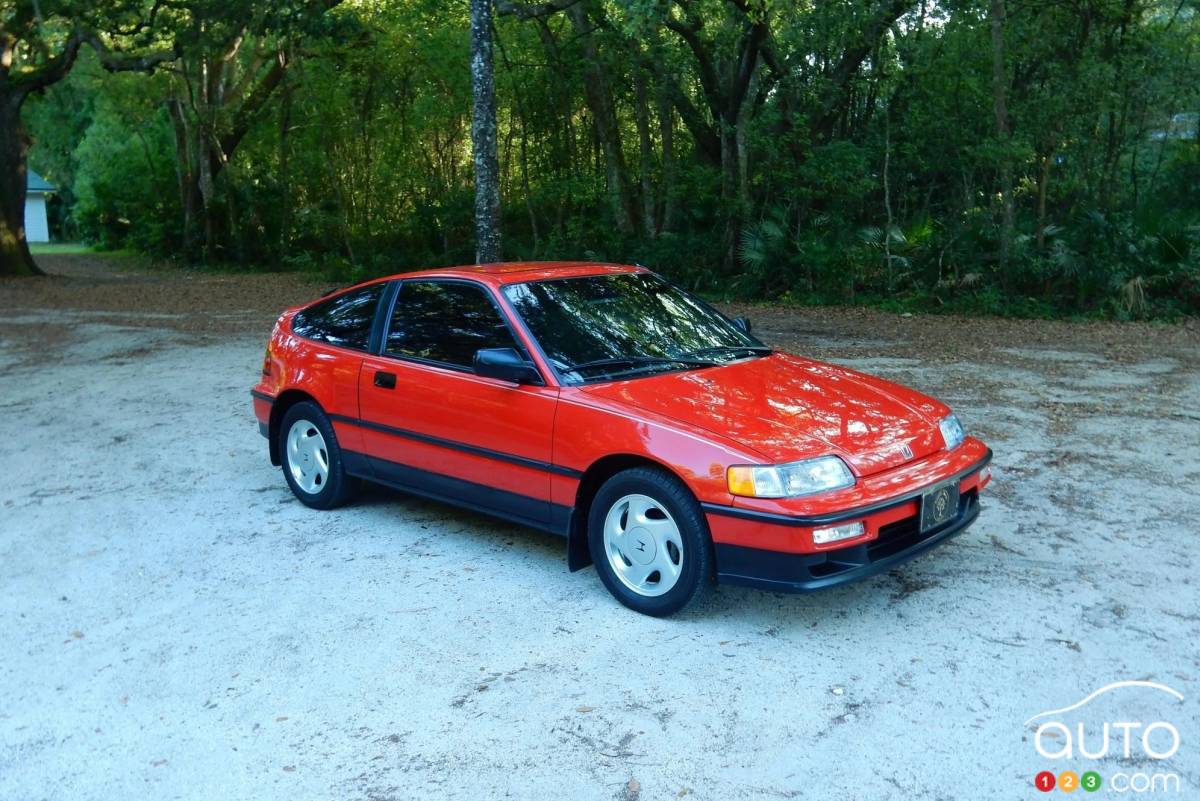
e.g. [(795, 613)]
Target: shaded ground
[(176, 625), (224, 303)]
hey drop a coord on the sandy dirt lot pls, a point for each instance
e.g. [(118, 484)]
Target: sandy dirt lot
[(175, 625)]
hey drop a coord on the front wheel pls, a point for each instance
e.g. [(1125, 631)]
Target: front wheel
[(312, 460), (650, 541)]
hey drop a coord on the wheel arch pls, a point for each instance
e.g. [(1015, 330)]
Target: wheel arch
[(600, 471), (284, 401)]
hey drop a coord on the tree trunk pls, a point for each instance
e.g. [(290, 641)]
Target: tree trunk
[(523, 151), (1000, 107), (887, 199), (189, 194), (744, 112), (729, 194), (1042, 187), (218, 101), (339, 195), (726, 84), (645, 154), (598, 94), (15, 258), (285, 175), (206, 184), (483, 135), (666, 130), (533, 220)]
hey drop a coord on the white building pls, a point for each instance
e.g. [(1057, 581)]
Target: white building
[(36, 189)]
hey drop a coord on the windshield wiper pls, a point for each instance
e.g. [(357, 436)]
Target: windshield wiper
[(639, 361), (757, 350)]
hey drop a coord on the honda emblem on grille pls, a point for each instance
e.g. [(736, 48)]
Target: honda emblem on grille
[(907, 451)]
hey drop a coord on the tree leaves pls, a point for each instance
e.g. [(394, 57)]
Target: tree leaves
[(738, 147)]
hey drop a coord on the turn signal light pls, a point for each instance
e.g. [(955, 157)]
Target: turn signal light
[(741, 480)]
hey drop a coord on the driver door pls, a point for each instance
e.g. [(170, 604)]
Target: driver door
[(430, 424)]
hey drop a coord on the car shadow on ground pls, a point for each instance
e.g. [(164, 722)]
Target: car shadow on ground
[(797, 611)]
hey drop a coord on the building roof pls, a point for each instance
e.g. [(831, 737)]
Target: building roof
[(36, 183)]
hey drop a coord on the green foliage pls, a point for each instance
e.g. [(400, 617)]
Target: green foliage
[(125, 192), (360, 163), (116, 171)]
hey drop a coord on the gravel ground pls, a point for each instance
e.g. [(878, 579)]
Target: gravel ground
[(175, 625)]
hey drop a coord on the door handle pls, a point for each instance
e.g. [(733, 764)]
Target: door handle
[(385, 380)]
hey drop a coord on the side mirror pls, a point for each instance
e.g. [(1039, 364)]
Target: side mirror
[(507, 365), (743, 324)]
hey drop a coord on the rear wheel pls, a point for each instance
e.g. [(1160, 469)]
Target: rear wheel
[(312, 460), (650, 541)]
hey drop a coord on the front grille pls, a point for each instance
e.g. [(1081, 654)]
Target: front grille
[(906, 532)]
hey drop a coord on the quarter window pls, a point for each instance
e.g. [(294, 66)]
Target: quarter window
[(445, 322), (344, 320)]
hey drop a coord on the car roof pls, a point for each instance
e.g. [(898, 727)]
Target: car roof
[(518, 272), (497, 274)]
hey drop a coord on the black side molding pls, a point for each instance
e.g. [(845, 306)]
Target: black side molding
[(428, 439), (511, 506)]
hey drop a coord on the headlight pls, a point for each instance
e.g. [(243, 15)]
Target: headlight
[(952, 431), (789, 480)]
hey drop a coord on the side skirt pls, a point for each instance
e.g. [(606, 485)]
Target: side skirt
[(542, 515)]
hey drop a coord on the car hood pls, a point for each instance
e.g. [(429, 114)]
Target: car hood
[(788, 408)]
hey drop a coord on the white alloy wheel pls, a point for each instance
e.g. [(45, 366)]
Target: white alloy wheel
[(307, 457), (643, 545)]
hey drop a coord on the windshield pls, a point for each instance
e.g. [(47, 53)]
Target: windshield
[(606, 326)]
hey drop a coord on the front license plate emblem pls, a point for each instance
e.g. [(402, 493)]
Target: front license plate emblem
[(939, 505)]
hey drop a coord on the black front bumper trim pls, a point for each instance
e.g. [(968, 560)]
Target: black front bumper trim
[(806, 572)]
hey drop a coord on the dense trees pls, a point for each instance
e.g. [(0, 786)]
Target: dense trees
[(1003, 155), (39, 44), (232, 60)]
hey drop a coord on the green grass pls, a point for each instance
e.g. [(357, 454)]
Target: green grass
[(58, 248)]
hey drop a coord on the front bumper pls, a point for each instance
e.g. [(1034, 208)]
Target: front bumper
[(895, 543)]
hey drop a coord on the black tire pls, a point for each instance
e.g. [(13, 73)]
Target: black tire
[(696, 557), (336, 487)]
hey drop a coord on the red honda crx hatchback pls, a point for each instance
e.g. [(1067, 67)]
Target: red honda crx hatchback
[(600, 402)]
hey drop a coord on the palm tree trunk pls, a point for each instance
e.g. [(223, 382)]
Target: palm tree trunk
[(483, 135)]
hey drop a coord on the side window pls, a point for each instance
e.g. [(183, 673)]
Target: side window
[(445, 322), (345, 320)]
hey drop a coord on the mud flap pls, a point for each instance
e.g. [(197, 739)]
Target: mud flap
[(579, 555)]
